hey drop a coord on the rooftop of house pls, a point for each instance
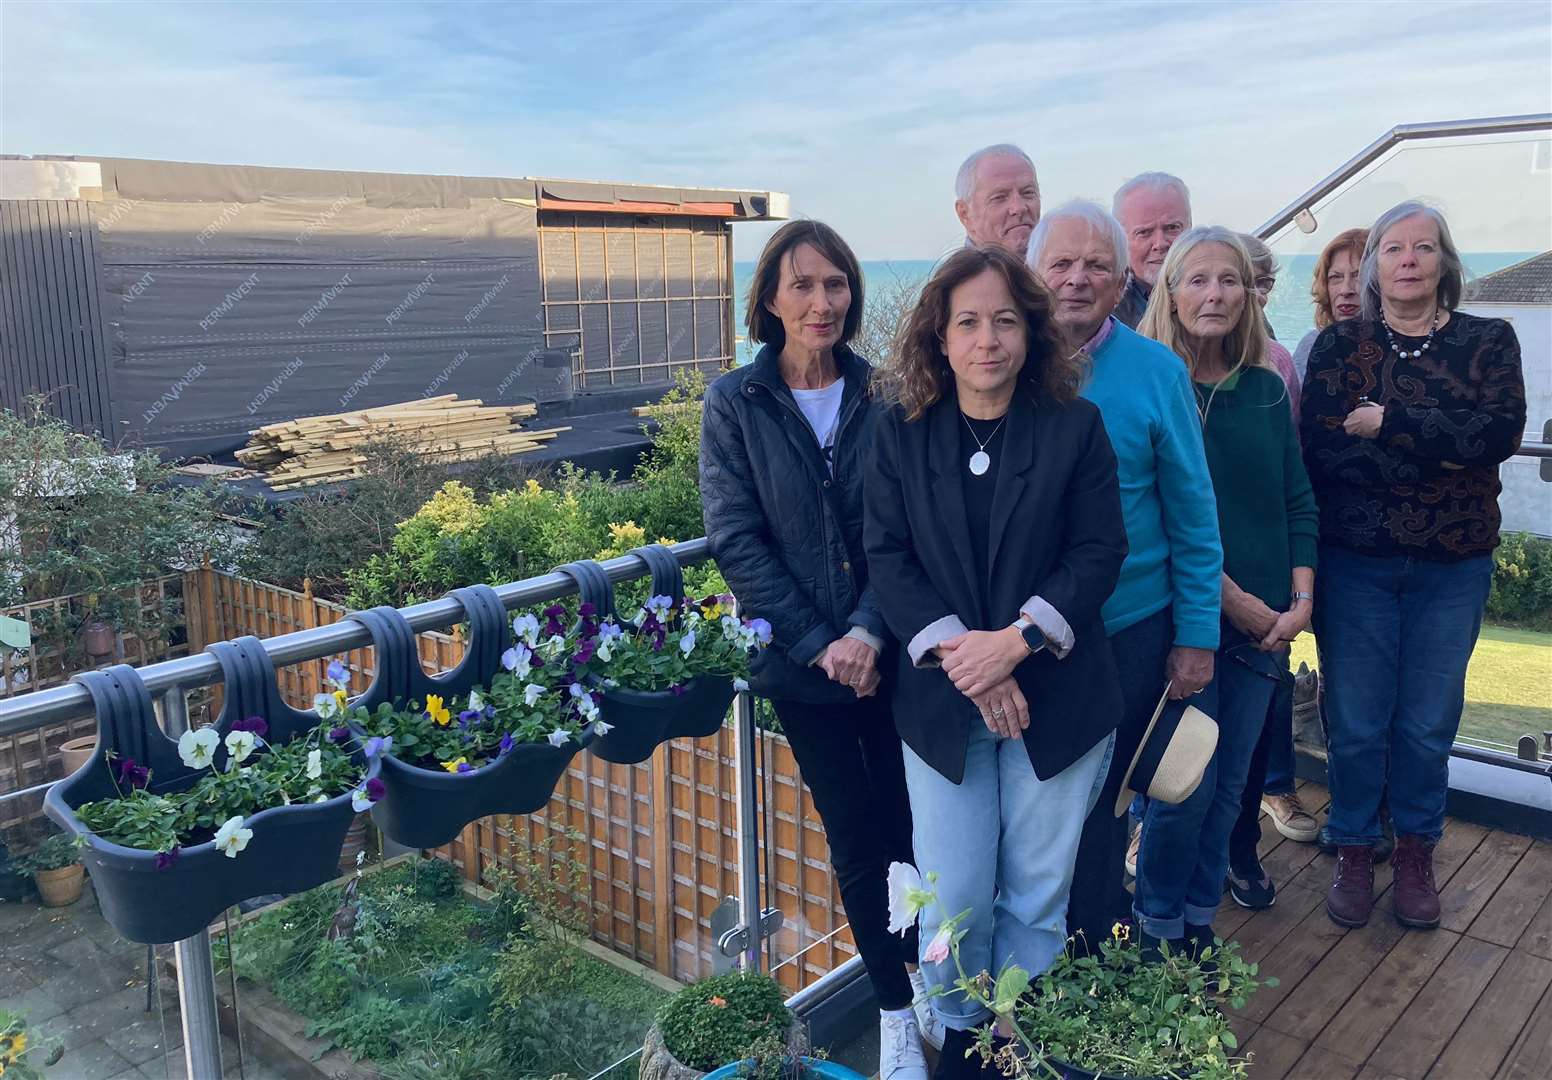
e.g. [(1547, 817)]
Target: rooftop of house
[(1528, 282)]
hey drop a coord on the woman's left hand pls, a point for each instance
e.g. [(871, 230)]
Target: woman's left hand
[(978, 660), (1365, 421), (1004, 710), (1289, 625)]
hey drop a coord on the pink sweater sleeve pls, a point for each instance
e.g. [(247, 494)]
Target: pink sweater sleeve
[(1282, 360)]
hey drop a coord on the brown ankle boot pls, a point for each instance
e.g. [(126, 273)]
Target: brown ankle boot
[(1416, 895), (1350, 899)]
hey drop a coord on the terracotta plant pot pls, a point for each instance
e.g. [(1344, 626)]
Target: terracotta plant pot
[(73, 753), (99, 639), (658, 1061), (62, 887)]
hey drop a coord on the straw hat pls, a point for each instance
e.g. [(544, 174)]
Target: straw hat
[(1174, 752)]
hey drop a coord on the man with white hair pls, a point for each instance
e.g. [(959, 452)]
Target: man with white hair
[(1162, 617), (997, 198), (1154, 209)]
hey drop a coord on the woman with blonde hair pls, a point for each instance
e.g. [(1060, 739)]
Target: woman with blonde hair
[(1202, 310)]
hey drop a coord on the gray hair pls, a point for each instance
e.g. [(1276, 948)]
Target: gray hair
[(1262, 260), (964, 180), (1452, 272), (1083, 210), (1152, 181)]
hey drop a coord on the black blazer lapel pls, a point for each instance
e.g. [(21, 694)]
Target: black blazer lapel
[(948, 490), (1018, 448)]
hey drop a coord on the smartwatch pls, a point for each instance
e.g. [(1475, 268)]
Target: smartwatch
[(1034, 639)]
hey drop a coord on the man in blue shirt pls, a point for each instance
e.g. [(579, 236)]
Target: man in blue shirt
[(1162, 618)]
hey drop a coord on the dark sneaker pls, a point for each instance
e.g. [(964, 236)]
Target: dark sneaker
[(1350, 900), (1415, 893), (1251, 888)]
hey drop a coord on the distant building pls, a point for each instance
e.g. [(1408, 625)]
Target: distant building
[(1522, 294), (179, 305)]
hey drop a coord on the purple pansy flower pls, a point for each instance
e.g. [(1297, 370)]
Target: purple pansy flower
[(376, 745), (339, 735), (677, 689), (587, 610), (255, 724), (136, 776), (338, 672), (762, 630), (584, 652), (553, 625), (375, 789), (165, 859), (507, 743), (464, 766)]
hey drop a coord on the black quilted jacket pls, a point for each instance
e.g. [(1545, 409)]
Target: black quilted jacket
[(786, 534)]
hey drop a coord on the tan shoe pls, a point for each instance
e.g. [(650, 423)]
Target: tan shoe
[(1290, 817), (1131, 851)]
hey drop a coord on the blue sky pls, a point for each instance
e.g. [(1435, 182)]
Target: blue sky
[(860, 111)]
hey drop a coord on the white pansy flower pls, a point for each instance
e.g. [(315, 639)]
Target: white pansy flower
[(526, 628), (731, 628), (532, 693), (601, 729), (476, 703), (558, 737), (239, 744), (360, 801), (906, 896), (605, 650), (587, 709), (231, 837), (687, 643), (740, 685), (326, 706), (314, 764), (198, 748)]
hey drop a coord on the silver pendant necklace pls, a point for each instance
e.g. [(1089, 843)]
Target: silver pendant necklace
[(980, 461)]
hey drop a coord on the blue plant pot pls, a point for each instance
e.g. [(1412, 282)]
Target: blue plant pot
[(426, 808), (293, 848), (642, 719), (812, 1069)]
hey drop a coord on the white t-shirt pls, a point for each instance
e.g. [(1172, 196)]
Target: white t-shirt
[(822, 410)]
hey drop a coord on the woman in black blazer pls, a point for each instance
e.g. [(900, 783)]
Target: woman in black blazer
[(994, 534)]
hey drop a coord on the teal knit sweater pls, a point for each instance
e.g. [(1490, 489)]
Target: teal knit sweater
[(1266, 508)]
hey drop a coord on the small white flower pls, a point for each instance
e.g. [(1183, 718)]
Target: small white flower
[(321, 797), (740, 685), (231, 837), (326, 706), (687, 643), (600, 728), (555, 644), (518, 660), (605, 650), (526, 628), (314, 764), (731, 628), (587, 709), (559, 737), (360, 802), (692, 617), (198, 748), (532, 693), (905, 897), (360, 857), (239, 744), (476, 703)]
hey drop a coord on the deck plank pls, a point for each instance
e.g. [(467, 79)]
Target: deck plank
[(1537, 938), (1496, 1019), (1324, 993), (1379, 1002), (1300, 950), (1509, 913), (1272, 1054), (1261, 933), (1429, 1023), (1471, 887), (1318, 1063), (1531, 1058)]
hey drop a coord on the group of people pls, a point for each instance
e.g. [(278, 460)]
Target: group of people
[(1088, 489)]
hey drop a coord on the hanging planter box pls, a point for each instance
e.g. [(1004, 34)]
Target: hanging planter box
[(429, 807), (152, 899)]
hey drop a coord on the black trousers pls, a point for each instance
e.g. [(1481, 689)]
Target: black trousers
[(851, 760), (1099, 897)]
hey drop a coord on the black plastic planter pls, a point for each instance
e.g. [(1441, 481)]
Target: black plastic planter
[(426, 808), (293, 848), (641, 720)]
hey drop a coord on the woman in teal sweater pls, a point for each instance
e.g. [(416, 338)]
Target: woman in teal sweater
[(1268, 526)]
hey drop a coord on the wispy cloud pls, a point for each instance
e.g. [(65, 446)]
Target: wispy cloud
[(862, 112)]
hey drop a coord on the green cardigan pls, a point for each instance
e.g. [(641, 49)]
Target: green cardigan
[(1266, 508)]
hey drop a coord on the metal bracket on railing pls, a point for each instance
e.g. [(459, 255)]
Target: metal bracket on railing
[(734, 942)]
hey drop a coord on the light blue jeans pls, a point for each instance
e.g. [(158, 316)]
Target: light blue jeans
[(1002, 844)]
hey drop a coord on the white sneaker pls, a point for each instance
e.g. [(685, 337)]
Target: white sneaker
[(900, 1054), (932, 1030)]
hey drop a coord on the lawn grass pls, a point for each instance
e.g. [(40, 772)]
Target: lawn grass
[(1508, 684)]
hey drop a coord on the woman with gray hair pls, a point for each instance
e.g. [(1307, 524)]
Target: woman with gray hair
[(1407, 413)]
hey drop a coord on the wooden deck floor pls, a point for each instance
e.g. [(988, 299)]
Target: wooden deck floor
[(1471, 1000)]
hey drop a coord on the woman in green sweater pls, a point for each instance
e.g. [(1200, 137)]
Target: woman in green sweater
[(1267, 522)]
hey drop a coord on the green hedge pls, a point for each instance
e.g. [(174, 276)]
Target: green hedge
[(1522, 582)]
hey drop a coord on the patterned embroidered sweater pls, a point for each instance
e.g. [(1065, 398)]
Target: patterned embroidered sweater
[(1428, 485)]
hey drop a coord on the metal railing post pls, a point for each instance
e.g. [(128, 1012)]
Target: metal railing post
[(748, 831), (197, 1007), (175, 711)]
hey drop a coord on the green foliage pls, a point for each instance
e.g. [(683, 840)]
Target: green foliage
[(23, 1057), (1522, 582), (56, 852), (373, 1028), (553, 1035), (93, 523), (718, 1020), (471, 1058)]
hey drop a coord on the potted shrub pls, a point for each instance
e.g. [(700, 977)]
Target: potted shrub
[(56, 870), (718, 1024), (1110, 1016), (21, 1056), (174, 832)]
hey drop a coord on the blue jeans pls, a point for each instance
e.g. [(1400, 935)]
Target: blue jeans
[(1185, 847), (1002, 844), (1396, 634)]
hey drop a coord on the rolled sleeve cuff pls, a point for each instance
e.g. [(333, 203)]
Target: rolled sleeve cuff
[(1055, 628), (873, 641), (930, 637)]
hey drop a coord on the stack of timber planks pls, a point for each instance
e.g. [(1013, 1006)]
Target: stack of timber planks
[(328, 449)]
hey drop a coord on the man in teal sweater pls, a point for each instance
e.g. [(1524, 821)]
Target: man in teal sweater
[(1163, 617)]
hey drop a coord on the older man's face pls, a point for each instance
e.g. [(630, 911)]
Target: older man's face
[(1004, 204), (1080, 268), (1153, 220)]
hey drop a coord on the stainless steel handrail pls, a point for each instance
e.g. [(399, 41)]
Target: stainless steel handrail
[(27, 711), (1439, 129)]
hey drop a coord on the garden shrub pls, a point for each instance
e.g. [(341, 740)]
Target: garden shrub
[(1522, 582), (554, 1035), (716, 1021)]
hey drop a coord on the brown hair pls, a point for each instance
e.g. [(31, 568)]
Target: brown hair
[(1352, 240), (766, 328), (918, 372)]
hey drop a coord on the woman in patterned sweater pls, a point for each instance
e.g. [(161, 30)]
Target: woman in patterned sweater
[(1407, 413)]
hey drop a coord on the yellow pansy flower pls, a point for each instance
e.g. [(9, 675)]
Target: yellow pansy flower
[(437, 711), (452, 766)]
